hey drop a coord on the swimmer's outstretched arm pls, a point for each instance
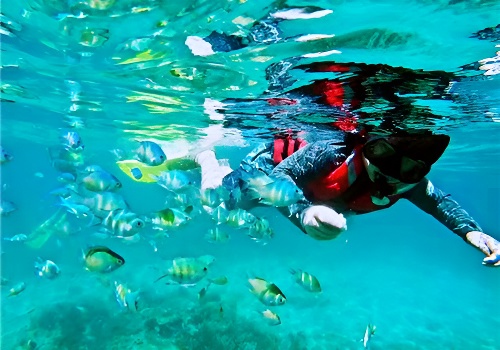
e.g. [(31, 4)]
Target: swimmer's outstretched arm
[(447, 211)]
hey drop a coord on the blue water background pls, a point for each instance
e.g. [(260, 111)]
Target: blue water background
[(422, 286)]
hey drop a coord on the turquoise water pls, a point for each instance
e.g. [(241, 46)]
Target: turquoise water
[(398, 269)]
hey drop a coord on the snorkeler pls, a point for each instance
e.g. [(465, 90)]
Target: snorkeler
[(357, 175)]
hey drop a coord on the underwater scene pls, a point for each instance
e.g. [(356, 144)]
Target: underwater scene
[(211, 174)]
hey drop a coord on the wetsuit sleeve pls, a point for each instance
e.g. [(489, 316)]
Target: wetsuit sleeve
[(304, 165), (441, 206)]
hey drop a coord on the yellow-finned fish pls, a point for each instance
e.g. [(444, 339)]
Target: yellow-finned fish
[(306, 280), (100, 181), (123, 223), (260, 231), (221, 280), (272, 317), (216, 235), (125, 297), (47, 268), (279, 193), (18, 288), (102, 259), (240, 218), (174, 180), (170, 217), (268, 293), (188, 271), (212, 197)]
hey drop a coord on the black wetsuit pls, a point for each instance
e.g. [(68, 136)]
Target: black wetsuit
[(319, 158)]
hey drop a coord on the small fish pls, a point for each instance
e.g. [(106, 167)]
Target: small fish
[(72, 141), (18, 288), (123, 223), (254, 178), (215, 235), (17, 238), (99, 202), (369, 332), (260, 231), (79, 210), (268, 293), (220, 214), (63, 192), (6, 208), (89, 169), (306, 280), (107, 201), (279, 193), (150, 153), (203, 291), (169, 217), (173, 180), (66, 178), (125, 297), (188, 271), (272, 318), (212, 197), (4, 281), (221, 280), (47, 268), (102, 259), (30, 345), (240, 218), (101, 181), (181, 199), (5, 156)]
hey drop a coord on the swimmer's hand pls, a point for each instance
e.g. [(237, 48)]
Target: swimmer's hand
[(487, 244), (322, 223)]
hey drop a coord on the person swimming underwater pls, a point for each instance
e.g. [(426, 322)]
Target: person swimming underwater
[(339, 178)]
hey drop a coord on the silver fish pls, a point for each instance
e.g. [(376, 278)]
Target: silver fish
[(123, 223), (173, 180), (17, 238), (188, 271), (47, 268), (150, 153), (100, 181), (126, 298), (369, 332), (268, 293), (72, 141), (4, 155), (6, 208)]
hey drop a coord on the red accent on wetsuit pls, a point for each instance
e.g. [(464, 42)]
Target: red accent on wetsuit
[(284, 146), (334, 184)]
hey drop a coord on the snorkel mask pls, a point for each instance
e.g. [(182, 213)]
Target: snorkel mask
[(397, 163)]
